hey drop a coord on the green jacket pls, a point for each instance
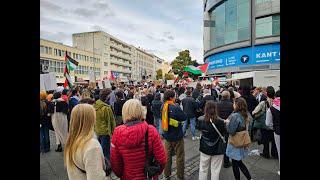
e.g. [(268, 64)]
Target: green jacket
[(105, 122)]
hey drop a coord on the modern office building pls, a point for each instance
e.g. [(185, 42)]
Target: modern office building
[(52, 55), (241, 36)]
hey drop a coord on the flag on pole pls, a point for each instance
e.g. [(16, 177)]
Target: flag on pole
[(204, 67), (192, 69), (71, 65)]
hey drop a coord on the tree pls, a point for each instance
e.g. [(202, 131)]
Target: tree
[(159, 74), (169, 76), (181, 61)]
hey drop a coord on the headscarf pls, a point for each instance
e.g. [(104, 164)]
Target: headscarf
[(165, 118), (276, 101)]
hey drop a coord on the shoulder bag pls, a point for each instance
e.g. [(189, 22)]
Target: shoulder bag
[(107, 170), (151, 167), (241, 138)]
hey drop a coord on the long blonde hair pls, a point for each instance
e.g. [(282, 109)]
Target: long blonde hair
[(81, 130)]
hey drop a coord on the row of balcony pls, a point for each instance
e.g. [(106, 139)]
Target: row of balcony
[(120, 47), (120, 55)]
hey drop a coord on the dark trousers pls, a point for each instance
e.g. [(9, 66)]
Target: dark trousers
[(267, 137), (104, 140), (236, 165), (44, 139), (226, 159)]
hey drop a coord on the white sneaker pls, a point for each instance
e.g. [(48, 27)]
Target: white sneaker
[(194, 138)]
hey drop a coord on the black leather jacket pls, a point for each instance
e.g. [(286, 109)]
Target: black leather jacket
[(210, 138)]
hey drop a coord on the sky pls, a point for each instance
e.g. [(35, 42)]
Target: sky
[(161, 27)]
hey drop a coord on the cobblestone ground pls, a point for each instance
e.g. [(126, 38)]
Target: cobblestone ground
[(52, 168)]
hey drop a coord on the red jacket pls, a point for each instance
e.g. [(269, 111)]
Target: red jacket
[(128, 152)]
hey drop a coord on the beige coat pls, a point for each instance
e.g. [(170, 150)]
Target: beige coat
[(91, 160)]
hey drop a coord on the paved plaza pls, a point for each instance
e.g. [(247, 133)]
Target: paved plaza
[(52, 168)]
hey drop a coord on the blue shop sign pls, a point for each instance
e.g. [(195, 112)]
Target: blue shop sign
[(262, 54)]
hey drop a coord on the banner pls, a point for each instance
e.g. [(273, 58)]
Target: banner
[(48, 81)]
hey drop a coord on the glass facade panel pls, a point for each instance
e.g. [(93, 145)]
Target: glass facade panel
[(276, 25), (264, 27), (231, 22)]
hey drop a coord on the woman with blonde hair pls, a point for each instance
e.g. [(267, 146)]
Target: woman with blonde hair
[(128, 144), (83, 156)]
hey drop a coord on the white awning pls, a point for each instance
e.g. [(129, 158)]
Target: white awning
[(244, 75)]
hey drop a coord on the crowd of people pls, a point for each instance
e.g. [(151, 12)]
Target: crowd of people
[(122, 128)]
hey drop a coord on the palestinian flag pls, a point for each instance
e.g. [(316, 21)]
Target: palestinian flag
[(193, 70), (71, 65), (204, 67)]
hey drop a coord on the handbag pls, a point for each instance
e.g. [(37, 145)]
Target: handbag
[(240, 139), (107, 170), (151, 167)]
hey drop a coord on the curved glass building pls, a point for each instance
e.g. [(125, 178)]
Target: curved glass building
[(241, 36)]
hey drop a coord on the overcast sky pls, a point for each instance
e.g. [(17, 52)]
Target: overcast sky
[(162, 27)]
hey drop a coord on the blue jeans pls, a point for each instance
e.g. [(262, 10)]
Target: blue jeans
[(44, 139), (158, 122), (104, 140), (193, 126)]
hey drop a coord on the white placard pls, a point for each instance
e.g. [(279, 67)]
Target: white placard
[(42, 86), (170, 82), (100, 84), (49, 81), (107, 84), (91, 76)]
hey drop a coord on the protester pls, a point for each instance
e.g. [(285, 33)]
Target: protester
[(238, 121), (172, 116), (44, 124), (250, 99), (112, 97), (83, 155), (197, 91), (105, 122), (224, 109), (156, 110), (128, 144), (212, 146), (260, 122), (190, 107), (147, 113), (259, 94), (58, 110), (87, 101), (74, 100), (64, 95), (206, 97), (273, 120), (118, 104)]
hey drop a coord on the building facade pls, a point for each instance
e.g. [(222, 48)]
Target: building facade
[(241, 35), (166, 68), (143, 65), (52, 55), (117, 56)]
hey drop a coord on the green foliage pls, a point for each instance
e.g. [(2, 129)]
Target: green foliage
[(169, 76), (181, 61), (159, 74)]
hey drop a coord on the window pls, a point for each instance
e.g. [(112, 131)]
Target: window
[(230, 23), (105, 64), (42, 49), (268, 26), (59, 52), (105, 72), (73, 55), (55, 52)]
